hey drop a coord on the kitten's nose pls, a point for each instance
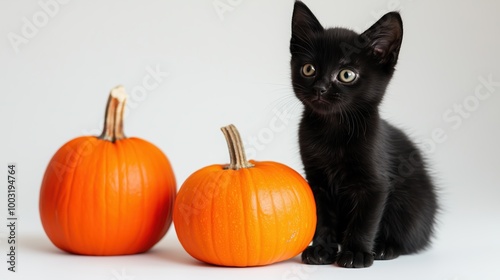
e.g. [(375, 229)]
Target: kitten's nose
[(321, 88)]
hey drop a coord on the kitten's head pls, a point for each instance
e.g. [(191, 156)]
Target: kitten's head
[(336, 70)]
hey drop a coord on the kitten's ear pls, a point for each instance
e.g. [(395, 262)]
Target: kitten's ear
[(304, 23), (384, 38)]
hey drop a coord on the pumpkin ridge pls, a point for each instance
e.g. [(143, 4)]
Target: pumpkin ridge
[(145, 181), (284, 182), (295, 195), (226, 230), (143, 193), (112, 167), (123, 179), (300, 201), (194, 240), (271, 196), (148, 175), (256, 183), (102, 203), (244, 224), (78, 189), (251, 184), (284, 207), (212, 216), (297, 200), (91, 188), (277, 230), (68, 234), (194, 210), (261, 238)]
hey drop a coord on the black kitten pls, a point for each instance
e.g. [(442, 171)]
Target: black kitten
[(374, 197)]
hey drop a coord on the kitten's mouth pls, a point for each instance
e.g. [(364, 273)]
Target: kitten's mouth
[(321, 105), (319, 100)]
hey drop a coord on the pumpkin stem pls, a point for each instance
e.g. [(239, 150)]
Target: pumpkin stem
[(113, 119), (236, 150)]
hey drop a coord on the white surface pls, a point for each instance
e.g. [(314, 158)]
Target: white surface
[(235, 69), (40, 260)]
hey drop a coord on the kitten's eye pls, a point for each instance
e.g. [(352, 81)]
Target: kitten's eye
[(347, 76), (308, 70)]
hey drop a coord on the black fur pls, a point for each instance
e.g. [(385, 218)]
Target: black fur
[(374, 196)]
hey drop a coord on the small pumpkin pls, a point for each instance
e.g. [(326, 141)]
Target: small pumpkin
[(107, 195), (247, 213)]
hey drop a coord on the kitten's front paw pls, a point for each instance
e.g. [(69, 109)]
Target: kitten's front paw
[(319, 255), (354, 259), (384, 252)]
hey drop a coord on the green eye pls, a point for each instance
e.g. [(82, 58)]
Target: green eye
[(308, 70), (347, 76)]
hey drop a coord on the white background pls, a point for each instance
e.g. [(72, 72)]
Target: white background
[(233, 67)]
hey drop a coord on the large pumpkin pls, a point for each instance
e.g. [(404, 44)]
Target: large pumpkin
[(107, 195), (245, 213)]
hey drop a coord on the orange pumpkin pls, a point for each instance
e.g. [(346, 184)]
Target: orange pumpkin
[(245, 213), (107, 195)]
